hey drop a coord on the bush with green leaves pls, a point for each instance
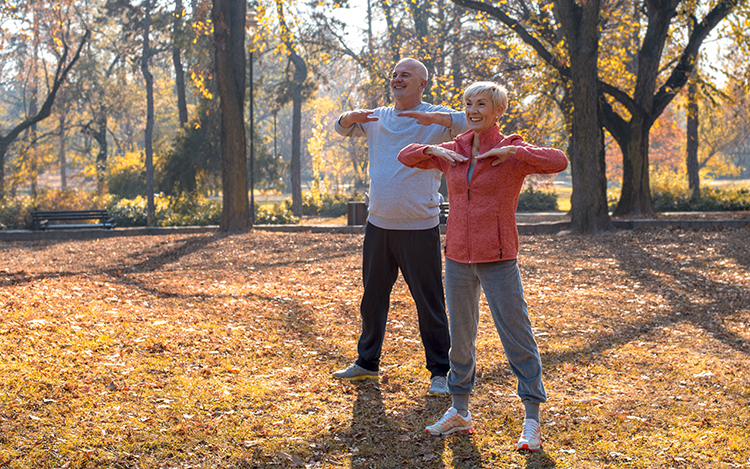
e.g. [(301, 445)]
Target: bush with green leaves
[(531, 200), (14, 213), (126, 175), (326, 204), (712, 199), (276, 214), (185, 210)]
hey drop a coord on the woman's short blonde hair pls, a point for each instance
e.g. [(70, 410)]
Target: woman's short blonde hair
[(498, 94)]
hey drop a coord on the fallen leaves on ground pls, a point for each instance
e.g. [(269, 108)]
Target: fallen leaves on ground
[(215, 351)]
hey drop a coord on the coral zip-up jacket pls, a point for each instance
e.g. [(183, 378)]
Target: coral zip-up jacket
[(482, 219)]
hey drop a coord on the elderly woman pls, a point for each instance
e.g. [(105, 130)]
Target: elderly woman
[(485, 171)]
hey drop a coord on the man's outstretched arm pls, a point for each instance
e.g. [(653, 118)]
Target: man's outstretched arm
[(429, 118), (360, 116)]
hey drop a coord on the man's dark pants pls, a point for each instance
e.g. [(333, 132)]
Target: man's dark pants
[(417, 254)]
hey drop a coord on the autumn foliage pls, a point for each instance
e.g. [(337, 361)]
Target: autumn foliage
[(214, 351)]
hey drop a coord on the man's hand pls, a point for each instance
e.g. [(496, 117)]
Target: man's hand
[(501, 154), (448, 155), (429, 118), (360, 116)]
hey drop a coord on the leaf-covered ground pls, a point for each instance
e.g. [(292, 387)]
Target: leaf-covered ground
[(213, 351)]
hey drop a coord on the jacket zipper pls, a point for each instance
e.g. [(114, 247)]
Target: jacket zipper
[(468, 217)]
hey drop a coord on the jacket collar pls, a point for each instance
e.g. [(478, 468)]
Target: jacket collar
[(487, 139)]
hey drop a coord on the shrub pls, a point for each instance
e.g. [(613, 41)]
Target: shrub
[(276, 214), (126, 176), (129, 212), (531, 200), (192, 210), (14, 214), (324, 204), (66, 199), (186, 210), (712, 199)]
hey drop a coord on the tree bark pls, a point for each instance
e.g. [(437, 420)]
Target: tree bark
[(228, 17), (100, 135), (148, 137), (298, 82), (589, 211), (300, 74), (59, 78), (693, 168), (61, 156), (33, 157), (179, 72)]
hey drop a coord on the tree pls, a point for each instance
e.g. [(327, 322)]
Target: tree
[(61, 72), (631, 123), (230, 66), (193, 160), (149, 78), (580, 24), (628, 118), (179, 71), (297, 85), (691, 159), (580, 29)]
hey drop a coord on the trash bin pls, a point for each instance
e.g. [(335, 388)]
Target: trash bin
[(356, 213)]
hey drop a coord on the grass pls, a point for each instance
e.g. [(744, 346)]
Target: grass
[(211, 351)]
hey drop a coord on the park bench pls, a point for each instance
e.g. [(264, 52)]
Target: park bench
[(357, 213), (443, 213), (40, 220)]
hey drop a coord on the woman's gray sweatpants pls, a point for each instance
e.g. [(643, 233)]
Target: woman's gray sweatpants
[(501, 282)]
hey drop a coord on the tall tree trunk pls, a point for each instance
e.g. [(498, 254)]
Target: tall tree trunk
[(99, 134), (694, 182), (589, 212), (300, 74), (228, 17), (298, 82), (151, 211), (420, 16), (394, 42), (61, 156), (635, 195), (33, 157), (101, 157), (179, 72)]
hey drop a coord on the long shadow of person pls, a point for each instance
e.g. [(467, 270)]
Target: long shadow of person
[(370, 429), (464, 452), (539, 460), (382, 439)]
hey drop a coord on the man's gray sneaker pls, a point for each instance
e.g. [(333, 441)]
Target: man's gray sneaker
[(438, 386), (355, 372)]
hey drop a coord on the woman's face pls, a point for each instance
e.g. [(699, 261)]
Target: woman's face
[(480, 113)]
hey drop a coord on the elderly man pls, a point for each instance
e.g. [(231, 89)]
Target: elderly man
[(402, 230)]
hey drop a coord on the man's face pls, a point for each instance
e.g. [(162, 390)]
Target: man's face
[(406, 81)]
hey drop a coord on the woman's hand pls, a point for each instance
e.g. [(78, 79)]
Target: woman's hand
[(501, 154), (448, 155)]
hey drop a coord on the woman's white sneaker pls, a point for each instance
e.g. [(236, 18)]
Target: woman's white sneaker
[(451, 422), (531, 436)]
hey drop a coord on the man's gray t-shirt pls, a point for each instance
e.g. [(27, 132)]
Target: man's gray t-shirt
[(403, 198)]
